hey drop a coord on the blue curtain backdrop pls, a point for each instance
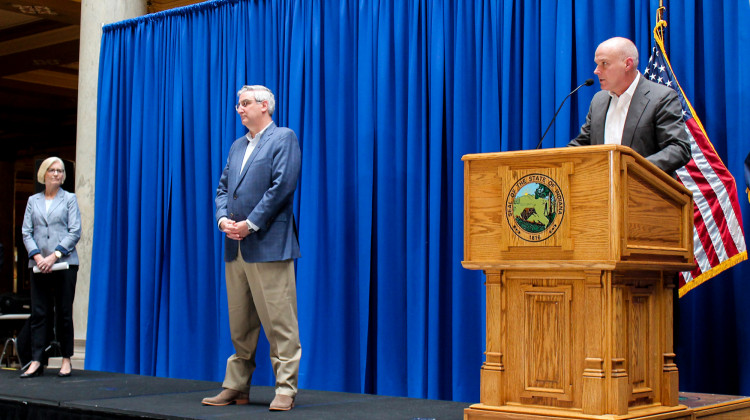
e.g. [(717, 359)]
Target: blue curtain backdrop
[(385, 97)]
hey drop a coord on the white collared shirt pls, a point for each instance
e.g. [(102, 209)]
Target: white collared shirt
[(617, 113), (252, 142)]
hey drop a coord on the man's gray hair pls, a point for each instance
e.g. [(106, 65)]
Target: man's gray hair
[(260, 93)]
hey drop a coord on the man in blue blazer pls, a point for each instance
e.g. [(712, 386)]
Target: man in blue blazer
[(634, 111), (254, 209)]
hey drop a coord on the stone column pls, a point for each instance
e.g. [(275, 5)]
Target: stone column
[(94, 14)]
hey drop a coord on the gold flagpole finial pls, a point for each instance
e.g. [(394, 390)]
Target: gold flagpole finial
[(660, 25)]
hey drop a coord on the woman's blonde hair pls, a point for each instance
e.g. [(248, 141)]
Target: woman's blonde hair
[(45, 165)]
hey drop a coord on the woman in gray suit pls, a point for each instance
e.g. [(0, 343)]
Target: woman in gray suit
[(51, 230)]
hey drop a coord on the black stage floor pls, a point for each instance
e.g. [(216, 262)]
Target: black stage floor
[(104, 395)]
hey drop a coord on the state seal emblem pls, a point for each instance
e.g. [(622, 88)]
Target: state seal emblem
[(535, 207)]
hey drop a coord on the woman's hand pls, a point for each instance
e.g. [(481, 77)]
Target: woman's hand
[(45, 264)]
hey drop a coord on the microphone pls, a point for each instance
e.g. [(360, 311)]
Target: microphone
[(588, 82)]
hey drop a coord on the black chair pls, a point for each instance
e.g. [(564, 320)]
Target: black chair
[(22, 344)]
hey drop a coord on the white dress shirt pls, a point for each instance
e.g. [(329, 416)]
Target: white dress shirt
[(617, 113), (251, 143)]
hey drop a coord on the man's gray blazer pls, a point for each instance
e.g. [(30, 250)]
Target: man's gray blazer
[(60, 229), (654, 126), (263, 193)]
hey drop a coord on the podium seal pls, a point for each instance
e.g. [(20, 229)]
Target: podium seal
[(535, 207)]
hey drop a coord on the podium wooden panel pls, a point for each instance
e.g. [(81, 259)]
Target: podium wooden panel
[(580, 247)]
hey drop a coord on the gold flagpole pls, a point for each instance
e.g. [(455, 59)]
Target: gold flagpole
[(659, 38), (660, 25)]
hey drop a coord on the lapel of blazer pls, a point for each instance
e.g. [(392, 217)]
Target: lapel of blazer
[(235, 161), (635, 111), (41, 207), (56, 201), (261, 142), (598, 118)]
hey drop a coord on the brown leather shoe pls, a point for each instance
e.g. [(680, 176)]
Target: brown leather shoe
[(227, 397), (281, 403)]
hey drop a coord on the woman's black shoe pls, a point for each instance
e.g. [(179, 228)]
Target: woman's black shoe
[(63, 375), (38, 372)]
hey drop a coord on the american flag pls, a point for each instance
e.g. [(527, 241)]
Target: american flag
[(718, 239)]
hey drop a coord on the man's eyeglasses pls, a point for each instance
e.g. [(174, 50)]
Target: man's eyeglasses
[(243, 104), (55, 171)]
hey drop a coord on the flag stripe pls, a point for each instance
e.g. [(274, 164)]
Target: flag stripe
[(709, 204), (702, 261), (702, 216), (721, 204), (728, 194), (704, 234)]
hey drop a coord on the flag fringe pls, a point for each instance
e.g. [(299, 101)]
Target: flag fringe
[(731, 262)]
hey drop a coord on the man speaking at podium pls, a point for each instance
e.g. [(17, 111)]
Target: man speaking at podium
[(633, 111)]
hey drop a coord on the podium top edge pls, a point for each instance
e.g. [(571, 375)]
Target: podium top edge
[(577, 265), (565, 149), (582, 150)]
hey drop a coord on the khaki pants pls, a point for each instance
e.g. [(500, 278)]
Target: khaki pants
[(263, 294)]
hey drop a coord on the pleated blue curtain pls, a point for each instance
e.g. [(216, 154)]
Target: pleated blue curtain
[(385, 97)]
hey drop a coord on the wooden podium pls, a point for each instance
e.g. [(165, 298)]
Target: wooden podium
[(580, 247)]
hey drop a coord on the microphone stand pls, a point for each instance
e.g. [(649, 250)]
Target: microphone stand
[(588, 82)]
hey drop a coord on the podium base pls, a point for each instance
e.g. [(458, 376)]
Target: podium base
[(486, 412), (696, 407)]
